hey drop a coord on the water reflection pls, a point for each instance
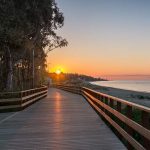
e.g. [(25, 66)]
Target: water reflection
[(58, 102), (58, 119)]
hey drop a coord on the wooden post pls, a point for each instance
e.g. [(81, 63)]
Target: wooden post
[(111, 103), (99, 97), (119, 121), (103, 101), (118, 106), (145, 122), (129, 129), (106, 102)]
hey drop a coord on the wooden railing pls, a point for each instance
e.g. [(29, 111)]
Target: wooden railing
[(14, 101), (130, 121)]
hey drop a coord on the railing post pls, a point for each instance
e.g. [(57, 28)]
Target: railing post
[(111, 103), (102, 100), (145, 122), (106, 102), (118, 106), (129, 129), (99, 98), (118, 120)]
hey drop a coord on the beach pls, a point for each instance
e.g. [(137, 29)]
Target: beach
[(141, 98)]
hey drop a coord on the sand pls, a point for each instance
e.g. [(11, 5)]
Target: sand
[(132, 96)]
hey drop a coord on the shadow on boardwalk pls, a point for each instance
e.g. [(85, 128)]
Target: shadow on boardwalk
[(62, 121)]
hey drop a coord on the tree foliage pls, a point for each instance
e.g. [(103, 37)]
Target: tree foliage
[(26, 26)]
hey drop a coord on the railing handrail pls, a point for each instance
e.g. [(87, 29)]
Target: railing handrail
[(144, 108), (34, 89), (126, 102), (23, 90)]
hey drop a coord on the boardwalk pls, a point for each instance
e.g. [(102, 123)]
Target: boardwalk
[(62, 121)]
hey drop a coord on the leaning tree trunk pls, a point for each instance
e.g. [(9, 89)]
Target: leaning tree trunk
[(9, 84)]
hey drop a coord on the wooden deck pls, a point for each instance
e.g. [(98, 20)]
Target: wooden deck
[(62, 121)]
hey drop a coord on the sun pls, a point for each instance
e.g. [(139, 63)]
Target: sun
[(58, 71)]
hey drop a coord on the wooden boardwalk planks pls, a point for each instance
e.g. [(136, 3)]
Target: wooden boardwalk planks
[(62, 121)]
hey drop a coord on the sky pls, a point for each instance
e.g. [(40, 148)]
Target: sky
[(106, 37)]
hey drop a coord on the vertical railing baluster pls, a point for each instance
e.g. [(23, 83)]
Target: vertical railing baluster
[(103, 100), (119, 109), (145, 122), (129, 129), (106, 100), (118, 106), (111, 103)]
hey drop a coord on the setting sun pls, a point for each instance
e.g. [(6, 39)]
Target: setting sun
[(58, 71)]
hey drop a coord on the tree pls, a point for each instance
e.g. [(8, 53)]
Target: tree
[(26, 26)]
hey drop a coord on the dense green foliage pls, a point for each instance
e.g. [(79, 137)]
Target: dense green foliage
[(27, 34)]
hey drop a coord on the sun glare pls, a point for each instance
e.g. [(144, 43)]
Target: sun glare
[(58, 71)]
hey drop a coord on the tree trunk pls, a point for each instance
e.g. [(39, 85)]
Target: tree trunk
[(9, 84)]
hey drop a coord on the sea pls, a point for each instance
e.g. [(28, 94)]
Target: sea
[(134, 85)]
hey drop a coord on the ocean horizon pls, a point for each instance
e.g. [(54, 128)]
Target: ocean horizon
[(125, 77), (133, 85)]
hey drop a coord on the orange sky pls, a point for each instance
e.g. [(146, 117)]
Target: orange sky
[(71, 62), (110, 39)]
